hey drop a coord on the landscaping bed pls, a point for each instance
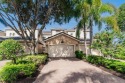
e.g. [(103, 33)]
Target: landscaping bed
[(25, 70), (107, 63), (113, 66)]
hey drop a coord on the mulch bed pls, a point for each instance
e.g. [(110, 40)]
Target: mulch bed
[(24, 79), (109, 70)]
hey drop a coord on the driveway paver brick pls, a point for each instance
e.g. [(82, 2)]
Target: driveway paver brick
[(74, 71)]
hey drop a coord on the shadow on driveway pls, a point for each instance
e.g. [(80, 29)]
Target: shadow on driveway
[(74, 71)]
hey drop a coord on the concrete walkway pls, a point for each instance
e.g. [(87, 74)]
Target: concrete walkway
[(2, 63), (74, 71)]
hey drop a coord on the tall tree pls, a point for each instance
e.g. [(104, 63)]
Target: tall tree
[(26, 15), (95, 9), (96, 18), (104, 42), (84, 14), (121, 17), (110, 44)]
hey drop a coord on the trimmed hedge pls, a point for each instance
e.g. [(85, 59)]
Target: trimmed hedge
[(9, 73), (108, 63), (79, 54), (37, 59)]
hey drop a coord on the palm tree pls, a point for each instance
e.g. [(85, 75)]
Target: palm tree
[(84, 7), (94, 15), (97, 8), (2, 22)]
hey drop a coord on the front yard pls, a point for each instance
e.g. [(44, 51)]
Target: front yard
[(25, 67)]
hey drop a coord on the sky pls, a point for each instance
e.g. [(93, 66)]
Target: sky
[(73, 23)]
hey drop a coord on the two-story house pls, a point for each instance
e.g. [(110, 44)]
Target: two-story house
[(58, 42)]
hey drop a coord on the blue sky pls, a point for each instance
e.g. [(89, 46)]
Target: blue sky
[(73, 23)]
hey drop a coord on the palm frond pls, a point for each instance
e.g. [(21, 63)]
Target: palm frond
[(106, 8), (112, 22), (79, 27), (2, 22)]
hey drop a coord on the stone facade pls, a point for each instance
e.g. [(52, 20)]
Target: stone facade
[(62, 39)]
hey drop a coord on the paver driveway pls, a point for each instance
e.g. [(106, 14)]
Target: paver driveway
[(74, 71)]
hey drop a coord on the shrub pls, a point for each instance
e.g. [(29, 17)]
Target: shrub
[(37, 59), (10, 48), (119, 56), (108, 63), (23, 62), (1, 57), (9, 73), (79, 54), (25, 66)]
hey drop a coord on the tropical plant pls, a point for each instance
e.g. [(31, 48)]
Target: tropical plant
[(91, 12), (84, 15), (104, 42), (10, 48), (121, 17), (110, 43)]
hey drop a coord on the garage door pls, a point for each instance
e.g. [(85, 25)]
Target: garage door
[(61, 51)]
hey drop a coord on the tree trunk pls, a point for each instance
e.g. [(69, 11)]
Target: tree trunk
[(85, 45), (33, 44), (91, 34), (14, 60), (33, 50)]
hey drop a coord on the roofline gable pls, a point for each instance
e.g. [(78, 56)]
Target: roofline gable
[(62, 33)]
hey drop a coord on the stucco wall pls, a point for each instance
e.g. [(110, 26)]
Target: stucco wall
[(82, 48), (96, 52), (10, 33), (93, 51)]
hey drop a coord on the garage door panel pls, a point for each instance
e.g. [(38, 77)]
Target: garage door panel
[(61, 51)]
